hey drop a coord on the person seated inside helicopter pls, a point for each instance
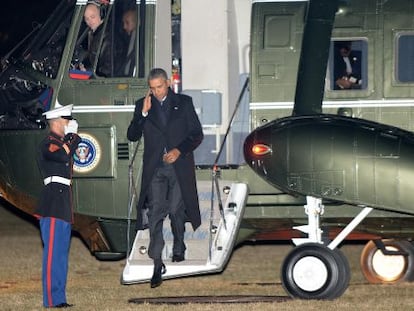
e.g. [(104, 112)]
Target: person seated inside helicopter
[(94, 21), (99, 49), (347, 67), (129, 25)]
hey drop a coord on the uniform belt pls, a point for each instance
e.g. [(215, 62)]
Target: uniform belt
[(57, 179)]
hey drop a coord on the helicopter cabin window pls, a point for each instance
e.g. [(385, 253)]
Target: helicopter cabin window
[(107, 41), (405, 59), (348, 65)]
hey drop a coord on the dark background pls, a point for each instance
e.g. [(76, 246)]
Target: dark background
[(18, 17)]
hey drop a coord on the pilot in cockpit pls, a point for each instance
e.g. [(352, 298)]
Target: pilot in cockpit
[(94, 21), (129, 24)]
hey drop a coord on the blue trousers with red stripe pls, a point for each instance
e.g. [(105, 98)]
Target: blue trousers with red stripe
[(56, 235)]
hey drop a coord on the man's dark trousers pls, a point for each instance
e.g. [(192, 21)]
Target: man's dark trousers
[(165, 199)]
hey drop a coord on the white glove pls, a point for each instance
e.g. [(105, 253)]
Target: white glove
[(72, 127)]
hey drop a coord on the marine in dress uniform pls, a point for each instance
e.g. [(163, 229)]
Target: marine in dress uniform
[(54, 210)]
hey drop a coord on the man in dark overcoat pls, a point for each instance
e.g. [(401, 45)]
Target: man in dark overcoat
[(172, 131)]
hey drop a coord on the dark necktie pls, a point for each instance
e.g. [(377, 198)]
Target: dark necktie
[(163, 113)]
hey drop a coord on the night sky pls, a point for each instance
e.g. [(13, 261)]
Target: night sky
[(17, 18)]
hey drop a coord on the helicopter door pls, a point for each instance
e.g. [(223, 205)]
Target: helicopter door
[(208, 248)]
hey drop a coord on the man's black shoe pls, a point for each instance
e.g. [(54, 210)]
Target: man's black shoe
[(63, 305), (178, 258), (159, 270)]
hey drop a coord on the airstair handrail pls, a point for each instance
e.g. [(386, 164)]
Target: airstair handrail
[(131, 194)]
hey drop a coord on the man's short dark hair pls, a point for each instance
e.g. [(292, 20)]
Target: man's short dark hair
[(156, 73), (344, 45)]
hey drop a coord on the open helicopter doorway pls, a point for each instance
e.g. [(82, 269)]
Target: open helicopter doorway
[(210, 246), (222, 202)]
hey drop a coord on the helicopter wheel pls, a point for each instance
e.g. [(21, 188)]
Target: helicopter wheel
[(345, 276), (388, 269), (313, 271)]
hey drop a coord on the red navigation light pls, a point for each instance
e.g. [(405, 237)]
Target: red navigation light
[(261, 149)]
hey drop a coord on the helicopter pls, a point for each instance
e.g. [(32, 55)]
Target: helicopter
[(341, 157), (225, 63)]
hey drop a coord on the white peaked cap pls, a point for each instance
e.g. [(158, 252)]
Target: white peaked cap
[(59, 111)]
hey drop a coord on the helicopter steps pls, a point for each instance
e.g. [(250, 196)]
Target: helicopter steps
[(208, 250)]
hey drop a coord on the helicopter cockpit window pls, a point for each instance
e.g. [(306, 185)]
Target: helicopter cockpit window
[(44, 53), (348, 65), (405, 59), (106, 42)]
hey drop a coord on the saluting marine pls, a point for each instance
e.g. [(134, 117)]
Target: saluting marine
[(55, 213)]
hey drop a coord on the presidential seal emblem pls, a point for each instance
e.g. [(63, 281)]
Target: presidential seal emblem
[(87, 155)]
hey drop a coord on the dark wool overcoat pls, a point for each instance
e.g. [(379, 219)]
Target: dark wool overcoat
[(183, 131)]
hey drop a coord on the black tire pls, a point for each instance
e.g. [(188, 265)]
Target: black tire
[(387, 269), (345, 274), (313, 271)]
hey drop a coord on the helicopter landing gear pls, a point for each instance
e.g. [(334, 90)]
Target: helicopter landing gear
[(313, 270)]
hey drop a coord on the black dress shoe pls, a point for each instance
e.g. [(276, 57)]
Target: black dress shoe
[(178, 258), (159, 270), (63, 305)]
